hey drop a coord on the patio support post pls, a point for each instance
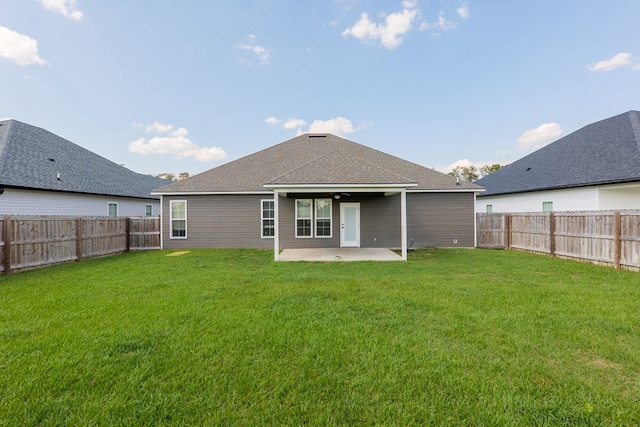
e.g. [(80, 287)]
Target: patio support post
[(276, 226), (403, 222)]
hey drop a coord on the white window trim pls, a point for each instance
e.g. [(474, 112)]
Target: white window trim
[(171, 219), (547, 203), (489, 208), (117, 209), (262, 218), (311, 205), (315, 220), (145, 209)]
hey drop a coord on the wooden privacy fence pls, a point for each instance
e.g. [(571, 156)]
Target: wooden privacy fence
[(602, 237), (28, 242)]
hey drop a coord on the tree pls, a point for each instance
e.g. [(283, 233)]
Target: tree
[(167, 175), (465, 173), (173, 176), (487, 169)]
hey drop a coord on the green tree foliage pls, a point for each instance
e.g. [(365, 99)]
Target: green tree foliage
[(173, 176), (472, 173), (487, 169), (465, 173)]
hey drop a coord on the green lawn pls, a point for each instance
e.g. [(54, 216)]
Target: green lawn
[(228, 337)]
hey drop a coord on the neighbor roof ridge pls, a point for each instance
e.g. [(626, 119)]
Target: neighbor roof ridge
[(4, 143), (635, 125)]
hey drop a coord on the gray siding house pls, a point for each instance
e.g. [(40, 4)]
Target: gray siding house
[(596, 167), (44, 174), (318, 191)]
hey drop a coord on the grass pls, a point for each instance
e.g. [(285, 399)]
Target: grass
[(228, 337)]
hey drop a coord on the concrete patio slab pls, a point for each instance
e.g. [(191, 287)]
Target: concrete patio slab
[(339, 254)]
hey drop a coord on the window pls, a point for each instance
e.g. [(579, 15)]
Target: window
[(178, 219), (268, 218), (112, 209), (148, 210), (303, 218), (323, 217), (547, 206), (489, 208)]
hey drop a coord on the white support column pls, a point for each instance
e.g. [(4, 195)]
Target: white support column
[(403, 222), (276, 226), (161, 218)]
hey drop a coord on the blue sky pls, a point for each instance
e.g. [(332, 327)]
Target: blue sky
[(170, 86)]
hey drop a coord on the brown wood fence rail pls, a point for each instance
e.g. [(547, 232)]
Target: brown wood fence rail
[(601, 237), (28, 242)]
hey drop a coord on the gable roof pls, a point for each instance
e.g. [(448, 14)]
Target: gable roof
[(316, 159), (604, 152), (32, 158)]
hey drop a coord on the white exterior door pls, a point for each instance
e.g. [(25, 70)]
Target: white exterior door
[(349, 225)]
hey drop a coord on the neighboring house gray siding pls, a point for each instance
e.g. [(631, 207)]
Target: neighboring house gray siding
[(33, 202), (234, 221)]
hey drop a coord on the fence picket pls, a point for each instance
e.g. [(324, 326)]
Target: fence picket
[(603, 237), (28, 242)]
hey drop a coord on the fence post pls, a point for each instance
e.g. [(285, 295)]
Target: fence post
[(617, 239), (7, 245), (552, 234), (128, 228), (79, 239), (507, 231)]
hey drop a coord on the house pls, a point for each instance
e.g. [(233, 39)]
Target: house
[(44, 174), (318, 191), (594, 168)]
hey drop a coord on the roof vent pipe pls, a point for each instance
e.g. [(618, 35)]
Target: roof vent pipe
[(58, 177)]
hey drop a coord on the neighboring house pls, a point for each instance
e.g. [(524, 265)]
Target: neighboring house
[(44, 174), (594, 168), (318, 191)]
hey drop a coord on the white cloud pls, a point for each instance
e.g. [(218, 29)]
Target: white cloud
[(158, 127), (263, 54), (18, 48), (292, 123), (463, 10), (442, 24), (390, 33), (174, 143), (540, 136), (337, 126), (67, 8), (616, 61)]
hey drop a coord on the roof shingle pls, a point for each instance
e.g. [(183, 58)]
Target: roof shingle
[(604, 152), (315, 159), (32, 157)]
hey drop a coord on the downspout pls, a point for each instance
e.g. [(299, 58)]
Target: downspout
[(403, 221), (276, 226)]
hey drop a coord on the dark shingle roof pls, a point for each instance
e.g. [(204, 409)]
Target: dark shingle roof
[(32, 157), (316, 159), (604, 152)]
